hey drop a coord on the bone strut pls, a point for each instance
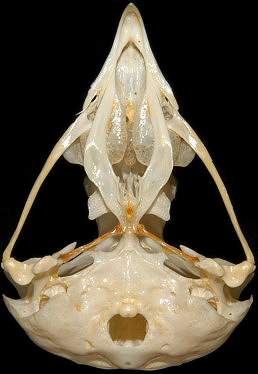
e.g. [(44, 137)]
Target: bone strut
[(141, 231), (182, 128), (134, 302), (80, 126), (117, 230)]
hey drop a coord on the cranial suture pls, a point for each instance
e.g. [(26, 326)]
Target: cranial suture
[(129, 299)]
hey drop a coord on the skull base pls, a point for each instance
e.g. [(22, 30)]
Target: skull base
[(142, 315)]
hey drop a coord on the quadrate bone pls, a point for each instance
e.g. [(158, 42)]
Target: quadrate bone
[(128, 299)]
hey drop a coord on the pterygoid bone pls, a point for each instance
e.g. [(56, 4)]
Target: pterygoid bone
[(128, 299)]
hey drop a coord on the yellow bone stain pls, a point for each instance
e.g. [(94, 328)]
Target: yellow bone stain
[(118, 230), (130, 112), (141, 231)]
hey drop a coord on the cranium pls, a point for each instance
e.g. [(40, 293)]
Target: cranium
[(128, 299)]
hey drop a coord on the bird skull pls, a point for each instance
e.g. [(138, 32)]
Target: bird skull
[(128, 299)]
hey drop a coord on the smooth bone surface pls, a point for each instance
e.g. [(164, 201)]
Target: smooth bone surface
[(128, 299)]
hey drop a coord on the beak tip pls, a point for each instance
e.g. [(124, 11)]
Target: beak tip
[(131, 8)]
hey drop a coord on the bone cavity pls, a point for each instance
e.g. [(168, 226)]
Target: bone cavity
[(116, 133), (130, 77), (143, 136)]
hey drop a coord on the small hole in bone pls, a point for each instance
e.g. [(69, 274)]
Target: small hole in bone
[(51, 291), (43, 301), (213, 303), (89, 345), (94, 98), (128, 330)]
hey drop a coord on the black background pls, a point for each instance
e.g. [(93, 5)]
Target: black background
[(50, 56)]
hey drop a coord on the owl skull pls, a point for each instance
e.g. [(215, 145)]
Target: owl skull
[(128, 299)]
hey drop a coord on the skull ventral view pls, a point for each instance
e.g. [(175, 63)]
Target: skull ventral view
[(128, 299)]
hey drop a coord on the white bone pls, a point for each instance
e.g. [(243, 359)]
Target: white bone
[(161, 207), (129, 300), (80, 126), (96, 206)]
